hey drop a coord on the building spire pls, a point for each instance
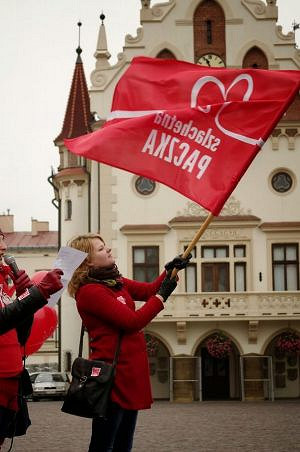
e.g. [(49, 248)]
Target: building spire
[(79, 49), (78, 118), (102, 54)]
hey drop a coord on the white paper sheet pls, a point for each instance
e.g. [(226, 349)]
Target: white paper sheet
[(68, 259)]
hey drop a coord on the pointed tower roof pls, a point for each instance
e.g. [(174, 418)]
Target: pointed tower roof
[(102, 54), (78, 117)]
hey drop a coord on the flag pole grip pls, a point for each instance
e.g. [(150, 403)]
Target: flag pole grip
[(197, 236)]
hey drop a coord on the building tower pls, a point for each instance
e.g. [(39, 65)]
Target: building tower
[(72, 187)]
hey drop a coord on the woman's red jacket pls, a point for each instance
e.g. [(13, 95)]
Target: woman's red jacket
[(105, 312)]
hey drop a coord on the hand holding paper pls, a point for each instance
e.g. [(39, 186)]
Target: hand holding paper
[(68, 259)]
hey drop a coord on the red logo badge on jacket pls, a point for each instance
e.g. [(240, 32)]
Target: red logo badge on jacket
[(96, 371), (121, 299)]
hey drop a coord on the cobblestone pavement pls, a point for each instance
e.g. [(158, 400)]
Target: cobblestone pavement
[(167, 427)]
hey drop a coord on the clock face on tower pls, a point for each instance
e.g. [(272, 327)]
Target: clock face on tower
[(211, 60)]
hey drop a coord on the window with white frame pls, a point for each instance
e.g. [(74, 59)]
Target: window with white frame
[(191, 273), (145, 263), (285, 265), (239, 252), (219, 268), (215, 274)]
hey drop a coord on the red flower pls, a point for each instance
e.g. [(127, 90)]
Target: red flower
[(288, 342), (218, 346), (152, 345)]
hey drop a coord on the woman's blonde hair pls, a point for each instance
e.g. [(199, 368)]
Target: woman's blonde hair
[(83, 243)]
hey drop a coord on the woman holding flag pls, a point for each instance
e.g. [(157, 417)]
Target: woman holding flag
[(105, 302)]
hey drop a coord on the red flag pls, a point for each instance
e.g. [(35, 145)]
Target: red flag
[(192, 128)]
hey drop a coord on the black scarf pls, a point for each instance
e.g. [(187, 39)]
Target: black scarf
[(110, 276)]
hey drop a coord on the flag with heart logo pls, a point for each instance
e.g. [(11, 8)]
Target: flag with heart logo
[(192, 128)]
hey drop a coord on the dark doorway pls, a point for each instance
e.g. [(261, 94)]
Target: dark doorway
[(215, 377)]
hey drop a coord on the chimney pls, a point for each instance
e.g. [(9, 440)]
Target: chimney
[(7, 222), (39, 226)]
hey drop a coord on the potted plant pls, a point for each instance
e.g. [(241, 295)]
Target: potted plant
[(288, 342), (218, 345)]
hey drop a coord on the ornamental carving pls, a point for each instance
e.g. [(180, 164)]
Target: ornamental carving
[(158, 9), (279, 303), (79, 184), (289, 133), (231, 207), (223, 234), (252, 331), (102, 76), (181, 332), (121, 59), (276, 132), (134, 39), (98, 79), (157, 12), (193, 210), (255, 6), (290, 36)]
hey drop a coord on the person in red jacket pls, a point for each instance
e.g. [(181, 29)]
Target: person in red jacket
[(15, 322), (105, 302)]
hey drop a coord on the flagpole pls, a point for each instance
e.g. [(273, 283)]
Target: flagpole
[(197, 236)]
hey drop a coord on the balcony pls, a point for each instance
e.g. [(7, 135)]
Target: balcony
[(231, 306)]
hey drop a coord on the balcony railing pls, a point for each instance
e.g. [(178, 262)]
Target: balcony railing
[(232, 305)]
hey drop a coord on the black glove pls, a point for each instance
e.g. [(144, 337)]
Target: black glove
[(167, 286), (178, 262)]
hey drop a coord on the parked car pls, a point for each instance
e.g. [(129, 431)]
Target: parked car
[(49, 385)]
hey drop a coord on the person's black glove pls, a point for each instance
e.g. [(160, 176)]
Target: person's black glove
[(167, 286), (178, 262)]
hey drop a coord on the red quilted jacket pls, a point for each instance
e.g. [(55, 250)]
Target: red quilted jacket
[(105, 311)]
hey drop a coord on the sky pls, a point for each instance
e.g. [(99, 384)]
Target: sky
[(37, 54)]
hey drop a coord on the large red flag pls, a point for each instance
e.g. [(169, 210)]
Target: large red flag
[(192, 128)]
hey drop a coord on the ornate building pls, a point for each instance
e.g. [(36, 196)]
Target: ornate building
[(217, 337)]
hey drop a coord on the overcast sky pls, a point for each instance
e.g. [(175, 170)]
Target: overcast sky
[(37, 54)]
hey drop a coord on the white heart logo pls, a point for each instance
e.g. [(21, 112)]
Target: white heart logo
[(205, 109)]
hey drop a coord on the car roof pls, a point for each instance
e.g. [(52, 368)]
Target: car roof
[(47, 372)]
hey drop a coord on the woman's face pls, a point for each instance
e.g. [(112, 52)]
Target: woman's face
[(101, 255)]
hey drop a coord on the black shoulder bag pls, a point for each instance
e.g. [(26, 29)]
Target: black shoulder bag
[(91, 385)]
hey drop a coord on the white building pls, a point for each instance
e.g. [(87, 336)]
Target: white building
[(244, 278)]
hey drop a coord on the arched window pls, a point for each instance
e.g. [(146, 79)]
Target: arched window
[(166, 54), (209, 30), (256, 59)]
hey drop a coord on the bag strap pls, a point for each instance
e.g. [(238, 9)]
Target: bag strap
[(117, 351), (81, 340)]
